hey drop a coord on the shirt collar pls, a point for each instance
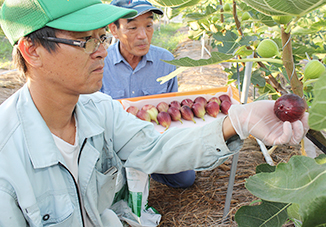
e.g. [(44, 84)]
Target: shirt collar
[(39, 141)]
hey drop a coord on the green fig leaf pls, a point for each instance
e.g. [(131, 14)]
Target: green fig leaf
[(285, 7), (172, 3), (317, 117), (268, 214), (231, 41), (301, 181), (216, 58), (265, 168)]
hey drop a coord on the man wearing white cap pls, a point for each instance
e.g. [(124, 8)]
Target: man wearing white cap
[(64, 147)]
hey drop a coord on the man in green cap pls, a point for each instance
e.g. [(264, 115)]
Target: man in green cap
[(64, 146)]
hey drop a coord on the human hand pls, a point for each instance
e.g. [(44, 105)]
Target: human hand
[(258, 119)]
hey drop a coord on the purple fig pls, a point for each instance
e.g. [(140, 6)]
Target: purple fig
[(143, 115), (225, 106), (224, 97), (175, 114), (199, 110), (212, 108), (133, 110), (214, 99), (201, 100), (187, 113), (162, 107), (289, 107), (152, 112), (164, 119), (175, 104), (187, 102)]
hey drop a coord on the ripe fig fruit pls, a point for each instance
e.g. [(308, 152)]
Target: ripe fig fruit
[(187, 102), (187, 113), (224, 97), (282, 19), (164, 119), (201, 100), (289, 107), (143, 115), (133, 110), (175, 104), (212, 109), (152, 111), (162, 107), (313, 70), (199, 110), (225, 106), (214, 99), (267, 48), (175, 114)]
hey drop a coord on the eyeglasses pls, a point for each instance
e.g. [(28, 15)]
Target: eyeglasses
[(90, 46)]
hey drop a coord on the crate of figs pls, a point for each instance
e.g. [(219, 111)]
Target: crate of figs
[(182, 109)]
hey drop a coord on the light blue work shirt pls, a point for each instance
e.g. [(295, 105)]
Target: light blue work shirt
[(121, 81), (36, 187)]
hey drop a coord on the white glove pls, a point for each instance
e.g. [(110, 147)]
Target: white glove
[(258, 119)]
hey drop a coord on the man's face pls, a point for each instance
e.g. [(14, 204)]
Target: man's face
[(70, 69), (135, 35)]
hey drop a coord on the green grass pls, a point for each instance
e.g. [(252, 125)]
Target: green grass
[(168, 37), (5, 53)]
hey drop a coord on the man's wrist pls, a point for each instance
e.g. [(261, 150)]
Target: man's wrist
[(227, 129)]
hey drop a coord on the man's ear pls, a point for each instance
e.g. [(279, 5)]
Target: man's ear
[(29, 52), (114, 30)]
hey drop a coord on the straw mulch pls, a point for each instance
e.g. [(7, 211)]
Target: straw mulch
[(203, 203)]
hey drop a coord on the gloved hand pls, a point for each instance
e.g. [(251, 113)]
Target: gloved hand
[(258, 119)]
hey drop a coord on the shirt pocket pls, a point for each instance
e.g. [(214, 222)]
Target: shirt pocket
[(154, 90), (52, 210), (106, 183)]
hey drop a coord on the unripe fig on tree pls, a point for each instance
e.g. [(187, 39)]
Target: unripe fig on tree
[(227, 7), (282, 19), (267, 48), (289, 107), (313, 70), (245, 16)]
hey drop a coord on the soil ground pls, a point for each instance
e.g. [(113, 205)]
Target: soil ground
[(202, 204)]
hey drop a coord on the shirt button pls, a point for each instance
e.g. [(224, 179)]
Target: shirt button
[(133, 92), (46, 217)]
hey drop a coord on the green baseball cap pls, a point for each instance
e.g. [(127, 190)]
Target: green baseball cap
[(19, 18)]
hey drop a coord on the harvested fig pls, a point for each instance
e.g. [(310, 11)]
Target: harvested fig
[(162, 107), (212, 109), (289, 107), (187, 113), (175, 114), (187, 102), (225, 106), (143, 115), (133, 110), (199, 110), (175, 104), (201, 100), (164, 119), (224, 97), (214, 99), (152, 111)]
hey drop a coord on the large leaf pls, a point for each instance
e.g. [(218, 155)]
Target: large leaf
[(285, 7), (174, 3), (267, 214), (317, 112), (301, 180), (216, 58), (231, 41)]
